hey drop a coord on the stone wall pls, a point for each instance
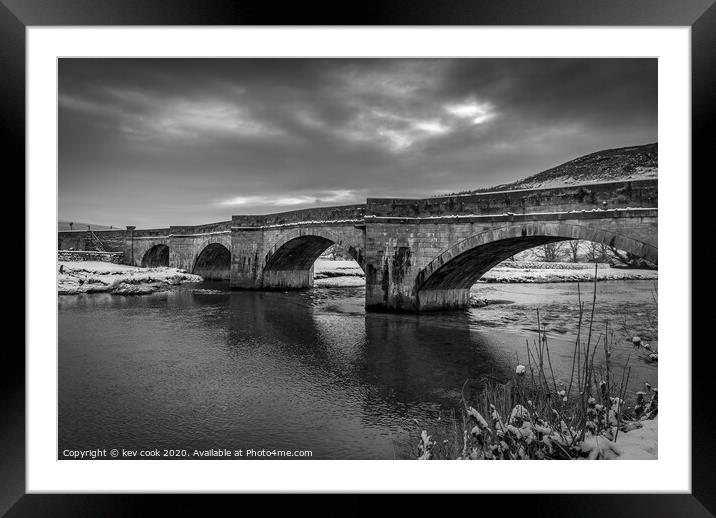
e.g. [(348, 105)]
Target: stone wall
[(84, 255), (112, 240)]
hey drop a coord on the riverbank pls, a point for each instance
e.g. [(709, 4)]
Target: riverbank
[(538, 272), (639, 444), (95, 276), (529, 418), (332, 274), (337, 274)]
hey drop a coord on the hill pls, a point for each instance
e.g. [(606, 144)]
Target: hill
[(609, 165)]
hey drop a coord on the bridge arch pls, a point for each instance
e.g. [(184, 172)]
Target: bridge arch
[(461, 265), (213, 260), (298, 249), (141, 247), (157, 255)]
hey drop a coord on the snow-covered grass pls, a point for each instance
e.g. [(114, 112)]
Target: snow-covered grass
[(542, 265), (531, 418), (640, 173), (339, 282), (537, 272), (96, 276)]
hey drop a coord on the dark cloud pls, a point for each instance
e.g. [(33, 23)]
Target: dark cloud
[(174, 141)]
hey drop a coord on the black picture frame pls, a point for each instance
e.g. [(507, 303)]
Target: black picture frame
[(17, 15)]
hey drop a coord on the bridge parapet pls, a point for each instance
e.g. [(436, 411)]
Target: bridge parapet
[(150, 232), (207, 228), (610, 195), (318, 215)]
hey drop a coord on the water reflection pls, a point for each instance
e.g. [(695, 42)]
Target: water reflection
[(202, 367)]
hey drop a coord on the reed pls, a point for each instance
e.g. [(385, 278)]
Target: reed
[(536, 416)]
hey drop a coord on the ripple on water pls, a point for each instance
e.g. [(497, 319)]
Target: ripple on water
[(208, 367)]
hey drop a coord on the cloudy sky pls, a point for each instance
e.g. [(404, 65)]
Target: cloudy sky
[(154, 142)]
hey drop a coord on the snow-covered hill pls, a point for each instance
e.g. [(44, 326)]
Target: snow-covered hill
[(609, 165)]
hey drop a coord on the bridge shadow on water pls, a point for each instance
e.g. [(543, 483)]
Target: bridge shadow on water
[(207, 367), (401, 364)]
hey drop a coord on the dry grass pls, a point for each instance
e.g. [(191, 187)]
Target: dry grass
[(536, 416)]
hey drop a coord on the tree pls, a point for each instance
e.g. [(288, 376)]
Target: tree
[(573, 250), (550, 252), (71, 223), (628, 259), (597, 252)]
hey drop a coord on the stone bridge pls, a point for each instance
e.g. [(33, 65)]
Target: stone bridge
[(417, 254)]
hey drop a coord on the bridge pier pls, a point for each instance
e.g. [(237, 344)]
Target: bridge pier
[(445, 299), (287, 279), (391, 274), (404, 300)]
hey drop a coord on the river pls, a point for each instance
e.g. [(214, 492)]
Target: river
[(202, 367)]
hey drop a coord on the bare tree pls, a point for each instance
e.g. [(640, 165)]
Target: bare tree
[(550, 252), (620, 257), (597, 252), (628, 259), (573, 250)]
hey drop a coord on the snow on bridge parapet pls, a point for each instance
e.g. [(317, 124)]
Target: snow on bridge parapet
[(221, 227), (148, 233), (340, 215), (635, 194), (596, 213), (208, 229)]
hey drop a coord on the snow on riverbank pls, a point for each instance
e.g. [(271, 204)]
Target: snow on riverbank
[(339, 282), (329, 273), (640, 443), (337, 274), (326, 268), (563, 272), (95, 276)]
